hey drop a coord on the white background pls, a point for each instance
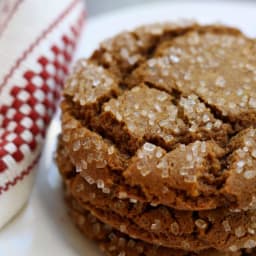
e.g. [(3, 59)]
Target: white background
[(101, 6)]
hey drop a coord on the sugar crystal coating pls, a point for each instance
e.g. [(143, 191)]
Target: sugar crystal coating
[(204, 62), (175, 228), (89, 83), (181, 175), (142, 118), (226, 225), (201, 224)]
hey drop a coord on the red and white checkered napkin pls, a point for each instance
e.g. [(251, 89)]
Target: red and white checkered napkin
[(37, 41)]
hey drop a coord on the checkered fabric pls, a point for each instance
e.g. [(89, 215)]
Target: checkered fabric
[(37, 42)]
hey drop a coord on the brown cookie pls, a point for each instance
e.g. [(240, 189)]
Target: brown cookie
[(195, 176), (220, 228), (176, 98), (158, 127), (116, 243)]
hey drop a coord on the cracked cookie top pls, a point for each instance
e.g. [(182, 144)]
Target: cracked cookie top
[(167, 114)]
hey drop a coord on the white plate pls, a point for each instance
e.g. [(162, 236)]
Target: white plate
[(43, 227)]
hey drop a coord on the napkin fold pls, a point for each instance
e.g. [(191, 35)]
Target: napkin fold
[(37, 42)]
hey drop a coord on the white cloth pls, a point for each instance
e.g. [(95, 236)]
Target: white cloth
[(37, 42)]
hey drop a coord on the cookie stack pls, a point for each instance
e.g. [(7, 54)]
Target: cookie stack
[(158, 143)]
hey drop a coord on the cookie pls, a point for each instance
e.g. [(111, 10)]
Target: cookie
[(140, 109), (220, 229), (115, 243), (205, 176), (158, 137), (160, 225)]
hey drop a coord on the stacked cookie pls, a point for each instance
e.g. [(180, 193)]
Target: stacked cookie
[(158, 143)]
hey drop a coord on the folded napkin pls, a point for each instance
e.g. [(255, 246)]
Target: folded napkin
[(37, 41)]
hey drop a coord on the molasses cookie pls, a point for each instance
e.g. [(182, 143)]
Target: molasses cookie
[(158, 141), (115, 243)]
